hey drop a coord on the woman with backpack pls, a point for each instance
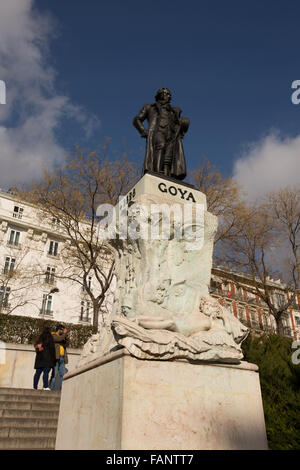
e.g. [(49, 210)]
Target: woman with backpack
[(45, 358)]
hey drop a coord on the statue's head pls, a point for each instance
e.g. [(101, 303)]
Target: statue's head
[(163, 95)]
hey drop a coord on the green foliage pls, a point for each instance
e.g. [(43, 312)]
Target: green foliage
[(280, 386), (24, 330)]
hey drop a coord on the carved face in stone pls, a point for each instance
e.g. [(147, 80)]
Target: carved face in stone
[(161, 294), (126, 307), (210, 307), (125, 310)]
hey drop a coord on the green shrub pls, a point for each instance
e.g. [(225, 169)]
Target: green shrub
[(280, 386), (24, 330)]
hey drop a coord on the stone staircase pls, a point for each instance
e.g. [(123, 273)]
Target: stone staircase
[(28, 419)]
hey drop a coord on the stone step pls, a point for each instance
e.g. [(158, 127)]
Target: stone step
[(29, 399), (37, 414), (28, 432), (21, 423), (24, 406), (28, 443), (28, 418), (29, 392)]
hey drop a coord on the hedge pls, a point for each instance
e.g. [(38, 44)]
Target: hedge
[(280, 387), (25, 330)]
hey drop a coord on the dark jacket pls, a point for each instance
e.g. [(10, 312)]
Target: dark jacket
[(45, 358), (151, 113), (61, 340)]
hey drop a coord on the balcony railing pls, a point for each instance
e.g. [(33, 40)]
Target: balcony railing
[(295, 306), (12, 244), (8, 270), (240, 297), (215, 290), (84, 319), (287, 332), (257, 326), (4, 306), (46, 312), (50, 280), (245, 322)]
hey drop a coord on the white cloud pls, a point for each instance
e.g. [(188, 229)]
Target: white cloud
[(268, 165), (34, 110)]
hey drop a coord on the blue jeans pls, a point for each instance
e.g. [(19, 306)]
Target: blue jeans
[(59, 369), (36, 378)]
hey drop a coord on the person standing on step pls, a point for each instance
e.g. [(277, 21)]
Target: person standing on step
[(45, 358), (61, 341)]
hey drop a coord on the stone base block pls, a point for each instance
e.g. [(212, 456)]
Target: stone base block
[(119, 402)]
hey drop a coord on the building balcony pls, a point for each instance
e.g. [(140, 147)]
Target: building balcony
[(295, 306), (18, 246), (287, 332), (50, 280), (45, 312), (84, 320), (245, 322), (8, 271), (215, 291), (52, 256), (5, 306), (240, 298), (256, 325)]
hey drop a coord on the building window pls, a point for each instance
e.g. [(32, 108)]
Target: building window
[(297, 319), (265, 320), (14, 238), (85, 311), (46, 305), (89, 283), (280, 300), (55, 223), (254, 319), (9, 265), (50, 275), (241, 314), (215, 287), (18, 212), (53, 248), (4, 296), (240, 294)]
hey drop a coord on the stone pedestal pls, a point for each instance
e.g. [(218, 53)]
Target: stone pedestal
[(118, 402), (176, 382)]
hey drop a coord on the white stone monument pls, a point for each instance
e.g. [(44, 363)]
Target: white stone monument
[(165, 371)]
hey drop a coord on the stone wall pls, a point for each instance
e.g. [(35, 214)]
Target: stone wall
[(17, 364)]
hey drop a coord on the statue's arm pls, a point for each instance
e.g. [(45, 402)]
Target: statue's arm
[(139, 119)]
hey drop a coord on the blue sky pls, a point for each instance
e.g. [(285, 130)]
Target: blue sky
[(229, 65)]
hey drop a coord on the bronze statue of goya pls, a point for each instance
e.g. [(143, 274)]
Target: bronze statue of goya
[(166, 129)]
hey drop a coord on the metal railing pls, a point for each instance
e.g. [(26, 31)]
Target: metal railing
[(84, 319), (287, 332), (46, 312), (50, 280)]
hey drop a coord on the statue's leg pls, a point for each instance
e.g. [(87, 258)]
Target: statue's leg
[(159, 151), (168, 159)]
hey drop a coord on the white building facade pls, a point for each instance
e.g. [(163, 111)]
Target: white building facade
[(30, 259)]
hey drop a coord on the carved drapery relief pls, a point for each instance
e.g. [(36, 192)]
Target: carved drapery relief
[(162, 307)]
